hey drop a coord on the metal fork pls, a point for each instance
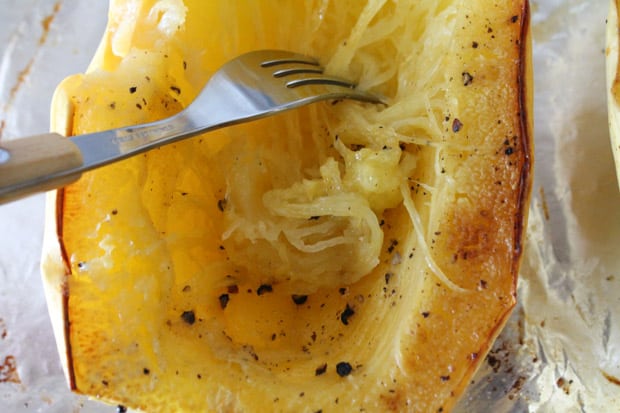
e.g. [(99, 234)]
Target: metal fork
[(251, 86)]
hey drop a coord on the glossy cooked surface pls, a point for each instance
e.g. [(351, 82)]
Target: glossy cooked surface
[(277, 265)]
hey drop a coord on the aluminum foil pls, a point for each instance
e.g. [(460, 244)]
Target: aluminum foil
[(560, 351)]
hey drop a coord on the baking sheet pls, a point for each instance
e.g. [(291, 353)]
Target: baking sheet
[(561, 349)]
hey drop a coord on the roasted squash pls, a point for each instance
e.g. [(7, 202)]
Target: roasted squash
[(340, 257), (612, 60)]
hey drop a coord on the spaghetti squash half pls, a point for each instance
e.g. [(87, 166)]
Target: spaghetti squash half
[(612, 66), (339, 257)]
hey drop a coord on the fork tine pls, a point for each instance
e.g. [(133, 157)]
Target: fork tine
[(322, 80), (296, 71), (297, 59), (314, 69)]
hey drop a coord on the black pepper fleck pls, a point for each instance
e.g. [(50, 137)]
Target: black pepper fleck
[(263, 289), (176, 89), (343, 369), (514, 19), (121, 409), (444, 378), (425, 314), (346, 314), (299, 299), (457, 125), (189, 317), (392, 246), (221, 204), (509, 151), (146, 371), (224, 299), (133, 89)]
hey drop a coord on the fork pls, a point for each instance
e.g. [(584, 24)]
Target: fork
[(254, 85)]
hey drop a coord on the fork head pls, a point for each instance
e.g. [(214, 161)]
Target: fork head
[(267, 81)]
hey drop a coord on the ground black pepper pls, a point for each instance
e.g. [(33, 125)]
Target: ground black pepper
[(189, 317), (263, 289), (133, 89), (299, 299), (221, 204), (224, 299), (343, 369), (346, 314), (456, 125), (393, 244)]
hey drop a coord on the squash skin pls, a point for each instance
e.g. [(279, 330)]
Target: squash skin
[(485, 244)]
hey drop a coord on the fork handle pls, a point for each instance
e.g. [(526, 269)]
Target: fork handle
[(35, 164)]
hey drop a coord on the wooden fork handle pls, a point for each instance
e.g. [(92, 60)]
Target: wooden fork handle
[(35, 164)]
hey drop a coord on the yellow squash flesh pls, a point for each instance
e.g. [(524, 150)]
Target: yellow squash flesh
[(340, 257)]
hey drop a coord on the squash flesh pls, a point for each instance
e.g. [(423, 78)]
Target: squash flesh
[(154, 237)]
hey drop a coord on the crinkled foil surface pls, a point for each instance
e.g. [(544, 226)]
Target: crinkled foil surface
[(560, 351)]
